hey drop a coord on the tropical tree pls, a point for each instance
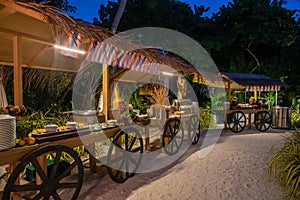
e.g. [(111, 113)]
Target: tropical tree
[(251, 36), (118, 16), (171, 14)]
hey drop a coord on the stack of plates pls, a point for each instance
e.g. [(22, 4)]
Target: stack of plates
[(7, 132)]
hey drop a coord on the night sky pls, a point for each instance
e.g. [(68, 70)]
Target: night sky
[(87, 10)]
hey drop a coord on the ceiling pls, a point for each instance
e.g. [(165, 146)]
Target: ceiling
[(27, 35)]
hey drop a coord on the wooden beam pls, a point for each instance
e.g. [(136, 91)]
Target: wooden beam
[(18, 83), (42, 67), (118, 74), (38, 55), (28, 36), (105, 90), (13, 5), (7, 11)]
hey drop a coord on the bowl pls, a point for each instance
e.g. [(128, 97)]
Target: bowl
[(51, 128), (72, 125)]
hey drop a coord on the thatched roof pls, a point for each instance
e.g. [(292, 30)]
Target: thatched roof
[(39, 27)]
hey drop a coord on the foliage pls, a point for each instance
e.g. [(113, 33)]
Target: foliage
[(171, 14), (85, 87), (137, 101), (216, 100), (44, 89), (23, 128), (295, 119), (206, 119), (295, 116), (39, 119), (250, 36), (80, 150), (285, 164), (271, 98)]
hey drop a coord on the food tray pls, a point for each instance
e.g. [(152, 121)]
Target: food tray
[(59, 135), (68, 133)]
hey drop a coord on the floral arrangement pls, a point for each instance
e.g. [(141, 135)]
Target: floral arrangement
[(14, 110)]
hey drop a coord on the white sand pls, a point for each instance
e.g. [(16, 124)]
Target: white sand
[(236, 168)]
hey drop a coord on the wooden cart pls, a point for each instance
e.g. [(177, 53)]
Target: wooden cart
[(175, 129), (125, 153), (51, 184), (123, 163), (237, 121)]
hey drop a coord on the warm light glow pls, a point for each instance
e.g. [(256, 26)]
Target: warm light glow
[(69, 49), (167, 73)]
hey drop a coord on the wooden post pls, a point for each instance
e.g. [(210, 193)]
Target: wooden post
[(228, 92), (276, 96), (105, 89), (92, 158), (18, 83)]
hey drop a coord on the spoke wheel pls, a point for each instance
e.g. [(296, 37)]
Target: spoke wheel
[(172, 136), (262, 120), (236, 121), (194, 129), (54, 184), (125, 154)]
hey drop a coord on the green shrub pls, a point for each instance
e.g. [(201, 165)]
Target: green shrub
[(295, 119), (206, 119), (285, 165)]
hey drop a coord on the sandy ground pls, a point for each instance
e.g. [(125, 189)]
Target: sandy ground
[(236, 168)]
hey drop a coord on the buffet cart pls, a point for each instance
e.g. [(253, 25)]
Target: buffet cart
[(51, 181), (237, 120), (176, 126), (237, 116)]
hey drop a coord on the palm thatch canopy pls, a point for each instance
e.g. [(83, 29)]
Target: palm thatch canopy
[(34, 29), (29, 31)]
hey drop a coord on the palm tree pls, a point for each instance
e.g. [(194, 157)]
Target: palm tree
[(118, 16)]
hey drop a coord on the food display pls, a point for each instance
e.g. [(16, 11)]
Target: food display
[(253, 104)]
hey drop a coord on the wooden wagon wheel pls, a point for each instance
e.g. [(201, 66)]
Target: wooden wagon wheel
[(172, 136), (236, 121), (53, 184), (194, 129), (262, 120), (125, 154)]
